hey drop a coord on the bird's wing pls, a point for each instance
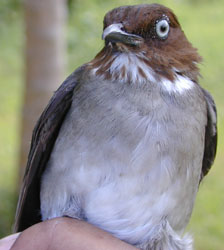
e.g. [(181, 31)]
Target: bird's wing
[(43, 139), (210, 135)]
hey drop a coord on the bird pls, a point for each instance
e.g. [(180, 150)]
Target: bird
[(126, 140)]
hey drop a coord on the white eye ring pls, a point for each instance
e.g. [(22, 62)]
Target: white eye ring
[(162, 28)]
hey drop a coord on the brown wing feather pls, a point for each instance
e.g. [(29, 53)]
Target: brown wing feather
[(210, 135), (43, 139)]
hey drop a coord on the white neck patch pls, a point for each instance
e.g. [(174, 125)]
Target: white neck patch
[(180, 85)]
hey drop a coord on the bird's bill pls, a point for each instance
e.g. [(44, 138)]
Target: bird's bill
[(115, 34)]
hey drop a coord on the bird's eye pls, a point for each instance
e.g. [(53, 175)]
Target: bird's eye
[(162, 28)]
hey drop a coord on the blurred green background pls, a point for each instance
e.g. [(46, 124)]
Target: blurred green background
[(203, 23)]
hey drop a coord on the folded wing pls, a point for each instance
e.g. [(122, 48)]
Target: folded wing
[(43, 139)]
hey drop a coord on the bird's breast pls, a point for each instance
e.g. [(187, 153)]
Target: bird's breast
[(126, 158)]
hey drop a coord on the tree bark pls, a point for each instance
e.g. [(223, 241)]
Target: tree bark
[(45, 62)]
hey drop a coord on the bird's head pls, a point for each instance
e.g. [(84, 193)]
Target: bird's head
[(144, 42)]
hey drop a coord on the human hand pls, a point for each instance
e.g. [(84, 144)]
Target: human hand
[(7, 242), (65, 233)]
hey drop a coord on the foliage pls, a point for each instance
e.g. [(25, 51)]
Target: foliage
[(203, 24), (9, 8)]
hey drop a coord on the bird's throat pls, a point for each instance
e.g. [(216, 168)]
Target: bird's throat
[(123, 66)]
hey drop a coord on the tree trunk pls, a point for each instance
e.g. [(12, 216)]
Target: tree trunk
[(45, 62)]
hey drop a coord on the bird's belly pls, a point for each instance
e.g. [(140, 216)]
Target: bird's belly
[(132, 205), (135, 213), (127, 193)]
